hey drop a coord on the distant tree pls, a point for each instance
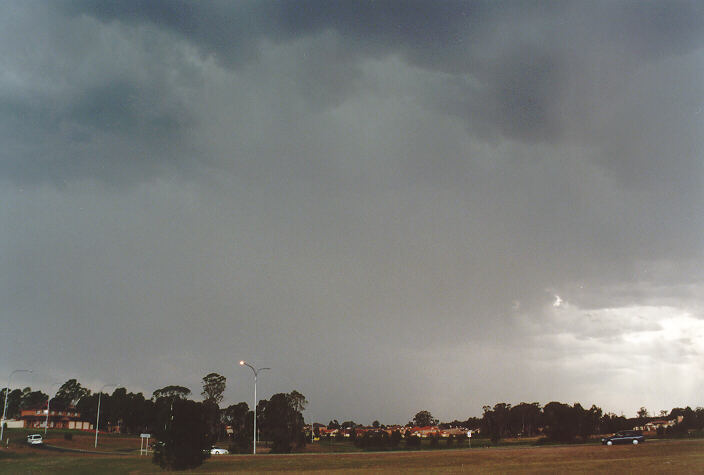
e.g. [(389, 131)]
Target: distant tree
[(348, 425), (87, 406), (132, 412), (184, 439), (333, 424), (424, 418), (170, 392), (642, 414), (688, 422), (472, 423), (593, 422), (213, 387), (33, 399), (611, 423), (524, 418), (281, 422), (70, 393), (375, 424), (561, 422), (699, 417), (235, 416), (496, 421), (298, 401)]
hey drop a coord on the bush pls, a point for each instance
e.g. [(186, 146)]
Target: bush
[(413, 442), (395, 439), (68, 436), (242, 444), (374, 441)]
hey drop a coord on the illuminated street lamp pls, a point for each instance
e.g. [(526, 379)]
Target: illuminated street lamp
[(7, 391), (256, 372), (97, 418)]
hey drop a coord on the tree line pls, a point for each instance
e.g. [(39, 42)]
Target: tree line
[(185, 429), (562, 422)]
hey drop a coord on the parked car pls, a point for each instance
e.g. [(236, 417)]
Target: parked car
[(218, 451), (35, 439), (624, 437)]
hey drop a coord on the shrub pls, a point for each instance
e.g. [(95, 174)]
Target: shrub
[(68, 436), (395, 439), (413, 441)]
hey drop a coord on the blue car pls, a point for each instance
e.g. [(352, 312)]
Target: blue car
[(624, 437)]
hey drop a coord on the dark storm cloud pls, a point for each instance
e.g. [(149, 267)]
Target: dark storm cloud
[(510, 70), (516, 56), (79, 102)]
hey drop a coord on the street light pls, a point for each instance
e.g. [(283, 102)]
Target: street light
[(7, 391), (46, 424), (97, 418), (256, 372)]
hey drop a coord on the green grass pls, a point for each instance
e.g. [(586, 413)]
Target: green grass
[(681, 456)]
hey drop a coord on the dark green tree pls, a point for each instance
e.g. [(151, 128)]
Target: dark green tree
[(424, 418), (281, 422), (69, 394), (129, 411), (611, 423), (184, 439), (496, 421), (213, 387), (242, 438), (33, 399), (298, 401), (235, 416), (561, 421), (525, 418), (170, 392)]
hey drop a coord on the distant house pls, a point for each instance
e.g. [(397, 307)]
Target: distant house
[(425, 432), (63, 419), (651, 427)]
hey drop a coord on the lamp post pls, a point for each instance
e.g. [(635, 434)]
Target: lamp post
[(7, 391), (97, 418), (256, 372), (46, 424)]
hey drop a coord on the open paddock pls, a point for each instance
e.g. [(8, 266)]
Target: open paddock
[(675, 456)]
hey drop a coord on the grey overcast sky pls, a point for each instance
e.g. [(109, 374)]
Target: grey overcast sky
[(395, 205)]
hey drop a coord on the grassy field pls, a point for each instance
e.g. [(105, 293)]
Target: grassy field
[(681, 456), (80, 440)]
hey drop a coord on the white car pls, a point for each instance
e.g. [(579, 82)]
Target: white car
[(218, 451), (35, 439)]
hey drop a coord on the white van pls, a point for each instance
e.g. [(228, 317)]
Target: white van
[(35, 439)]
